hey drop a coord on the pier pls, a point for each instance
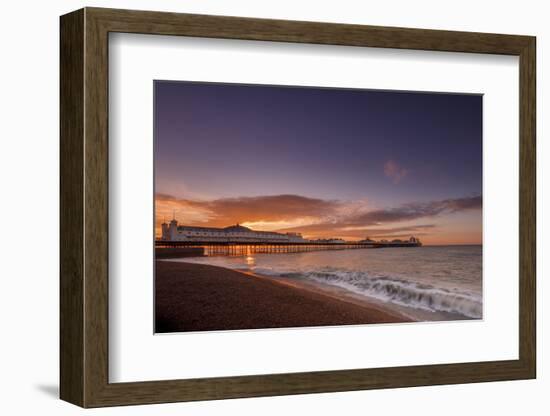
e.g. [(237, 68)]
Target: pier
[(237, 240), (240, 248)]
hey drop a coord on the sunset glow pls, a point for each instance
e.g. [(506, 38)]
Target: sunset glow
[(326, 163)]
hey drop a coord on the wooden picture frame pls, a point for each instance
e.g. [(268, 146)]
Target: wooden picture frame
[(84, 207)]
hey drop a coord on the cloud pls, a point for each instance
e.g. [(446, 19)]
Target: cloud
[(368, 223), (395, 172), (413, 211), (314, 217), (270, 208)]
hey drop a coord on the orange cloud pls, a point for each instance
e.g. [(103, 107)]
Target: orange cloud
[(263, 212), (317, 218)]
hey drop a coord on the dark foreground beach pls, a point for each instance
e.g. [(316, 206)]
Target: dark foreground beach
[(195, 297)]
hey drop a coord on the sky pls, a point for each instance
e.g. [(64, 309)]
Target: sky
[(326, 162)]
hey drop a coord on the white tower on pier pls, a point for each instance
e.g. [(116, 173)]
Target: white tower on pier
[(173, 228)]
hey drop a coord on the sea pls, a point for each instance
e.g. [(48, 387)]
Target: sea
[(426, 283)]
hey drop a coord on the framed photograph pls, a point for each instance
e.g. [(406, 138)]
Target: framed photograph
[(256, 207)]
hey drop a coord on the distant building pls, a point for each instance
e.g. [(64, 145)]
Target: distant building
[(234, 233), (411, 242), (329, 241)]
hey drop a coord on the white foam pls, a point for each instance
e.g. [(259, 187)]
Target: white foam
[(404, 293), (386, 288)]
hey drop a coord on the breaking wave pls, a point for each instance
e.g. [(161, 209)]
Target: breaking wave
[(392, 289)]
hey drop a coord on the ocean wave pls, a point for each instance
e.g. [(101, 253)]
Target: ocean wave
[(392, 289)]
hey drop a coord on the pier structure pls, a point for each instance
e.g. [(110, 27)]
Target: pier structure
[(237, 240), (228, 248)]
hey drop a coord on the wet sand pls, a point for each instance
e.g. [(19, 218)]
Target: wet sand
[(196, 297)]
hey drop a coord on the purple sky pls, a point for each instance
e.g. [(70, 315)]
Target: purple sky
[(363, 150)]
